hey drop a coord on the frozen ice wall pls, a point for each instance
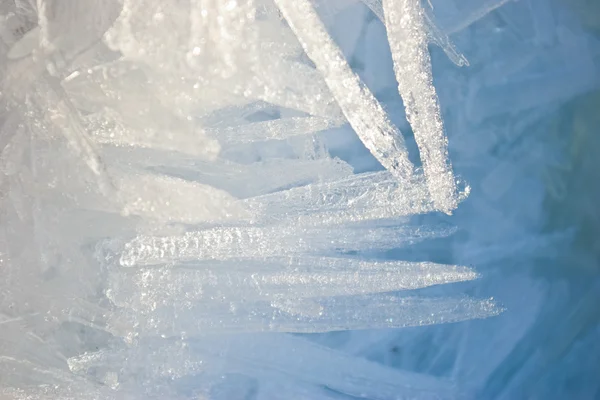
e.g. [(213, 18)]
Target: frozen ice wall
[(187, 186)]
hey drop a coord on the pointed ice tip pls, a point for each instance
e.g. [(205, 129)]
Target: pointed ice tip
[(448, 200), (447, 205), (492, 307)]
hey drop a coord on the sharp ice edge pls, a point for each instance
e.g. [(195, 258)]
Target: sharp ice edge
[(361, 197), (410, 28), (249, 241), (274, 278), (276, 295), (407, 35)]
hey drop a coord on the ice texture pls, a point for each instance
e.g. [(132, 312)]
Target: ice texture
[(178, 203), (405, 24), (364, 113)]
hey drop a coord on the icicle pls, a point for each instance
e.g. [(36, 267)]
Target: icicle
[(232, 242), (360, 197), (405, 24), (277, 279), (365, 114)]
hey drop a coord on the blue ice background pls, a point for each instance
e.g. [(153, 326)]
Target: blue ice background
[(531, 61)]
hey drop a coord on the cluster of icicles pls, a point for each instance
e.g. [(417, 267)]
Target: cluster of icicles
[(170, 214)]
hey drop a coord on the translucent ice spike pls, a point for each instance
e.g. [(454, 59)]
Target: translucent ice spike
[(233, 242), (365, 114), (279, 279), (357, 198), (407, 35), (241, 179), (298, 315)]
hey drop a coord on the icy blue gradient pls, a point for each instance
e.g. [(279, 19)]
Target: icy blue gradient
[(522, 121)]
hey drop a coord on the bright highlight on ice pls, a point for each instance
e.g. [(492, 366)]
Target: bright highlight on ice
[(171, 212)]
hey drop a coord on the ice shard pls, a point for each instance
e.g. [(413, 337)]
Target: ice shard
[(231, 242), (360, 107), (407, 34)]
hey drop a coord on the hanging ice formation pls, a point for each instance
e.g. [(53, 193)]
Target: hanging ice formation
[(169, 211)]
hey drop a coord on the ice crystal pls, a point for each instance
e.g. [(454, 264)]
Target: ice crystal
[(170, 211)]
